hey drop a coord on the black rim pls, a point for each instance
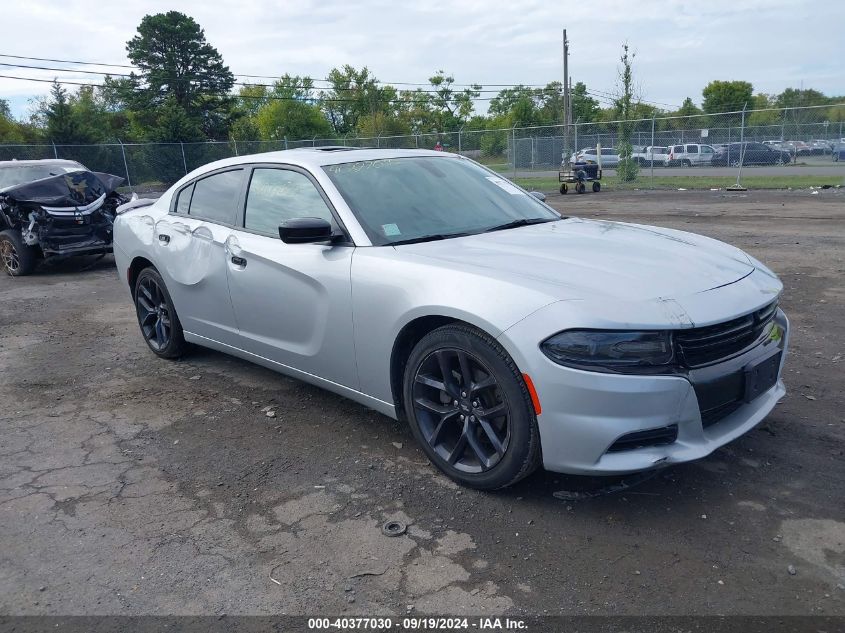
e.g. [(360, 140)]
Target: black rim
[(9, 255), (153, 314), (461, 411)]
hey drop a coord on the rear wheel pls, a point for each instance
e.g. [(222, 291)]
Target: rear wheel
[(564, 188), (157, 317), (686, 163), (596, 186), (469, 408), (734, 162), (580, 187), (16, 257)]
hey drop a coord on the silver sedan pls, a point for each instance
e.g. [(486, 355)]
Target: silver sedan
[(433, 290)]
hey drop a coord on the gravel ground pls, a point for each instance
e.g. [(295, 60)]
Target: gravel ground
[(132, 485)]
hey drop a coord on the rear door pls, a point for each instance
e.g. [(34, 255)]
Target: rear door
[(190, 243), (292, 301), (692, 154)]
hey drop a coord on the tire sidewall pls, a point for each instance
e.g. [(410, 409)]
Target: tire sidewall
[(26, 254), (524, 436), (176, 344)]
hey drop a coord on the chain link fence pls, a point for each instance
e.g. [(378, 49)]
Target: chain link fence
[(808, 141)]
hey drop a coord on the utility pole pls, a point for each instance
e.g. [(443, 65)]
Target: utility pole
[(566, 112)]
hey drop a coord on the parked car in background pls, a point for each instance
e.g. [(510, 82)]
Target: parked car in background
[(610, 348), (820, 147), (797, 148), (839, 150), (609, 156), (688, 155), (651, 154), (752, 154), (51, 208)]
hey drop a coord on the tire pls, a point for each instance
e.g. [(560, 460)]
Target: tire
[(734, 162), (564, 188), (16, 257), (435, 396), (580, 187), (596, 186), (686, 163), (157, 318)]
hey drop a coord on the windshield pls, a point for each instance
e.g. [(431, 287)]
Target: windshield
[(11, 176), (416, 198)]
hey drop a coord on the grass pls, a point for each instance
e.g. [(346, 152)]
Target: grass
[(612, 183)]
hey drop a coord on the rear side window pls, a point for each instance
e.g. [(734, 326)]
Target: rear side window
[(608, 152), (183, 199), (678, 149), (216, 196), (692, 149)]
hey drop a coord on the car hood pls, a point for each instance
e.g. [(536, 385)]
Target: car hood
[(578, 259)]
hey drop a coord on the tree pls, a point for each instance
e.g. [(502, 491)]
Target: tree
[(584, 107), (624, 104), (290, 110), (56, 116), (726, 96), (442, 107), (11, 131), (178, 66), (356, 94)]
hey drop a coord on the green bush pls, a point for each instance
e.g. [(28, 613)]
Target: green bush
[(627, 170)]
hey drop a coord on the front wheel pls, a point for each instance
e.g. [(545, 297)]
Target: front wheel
[(734, 162), (157, 317), (596, 186), (16, 257), (469, 408)]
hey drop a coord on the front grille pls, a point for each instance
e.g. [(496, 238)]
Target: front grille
[(642, 439), (705, 345)]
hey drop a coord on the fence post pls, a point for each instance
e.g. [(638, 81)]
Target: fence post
[(286, 142), (55, 151), (314, 141), (651, 150), (738, 186), (184, 162), (417, 140), (460, 133), (513, 148), (125, 164), (576, 141), (235, 143)]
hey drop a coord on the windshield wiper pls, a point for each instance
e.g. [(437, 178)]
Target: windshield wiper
[(426, 238), (517, 223)]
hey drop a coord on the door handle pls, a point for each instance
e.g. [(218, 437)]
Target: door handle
[(238, 261), (164, 238)]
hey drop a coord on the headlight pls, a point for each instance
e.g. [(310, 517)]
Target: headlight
[(598, 350)]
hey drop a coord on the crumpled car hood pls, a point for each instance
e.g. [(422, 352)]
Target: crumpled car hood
[(73, 189), (578, 259)]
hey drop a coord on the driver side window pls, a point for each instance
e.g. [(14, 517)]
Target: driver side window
[(276, 195)]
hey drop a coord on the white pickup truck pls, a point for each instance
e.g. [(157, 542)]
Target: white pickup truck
[(646, 155)]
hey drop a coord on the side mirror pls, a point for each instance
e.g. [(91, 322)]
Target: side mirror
[(305, 230), (539, 195)]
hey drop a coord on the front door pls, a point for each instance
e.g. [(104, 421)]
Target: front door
[(292, 302)]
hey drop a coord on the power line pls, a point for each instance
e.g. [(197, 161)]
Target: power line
[(390, 83), (270, 97)]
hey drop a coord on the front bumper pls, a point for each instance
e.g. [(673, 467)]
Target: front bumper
[(587, 413)]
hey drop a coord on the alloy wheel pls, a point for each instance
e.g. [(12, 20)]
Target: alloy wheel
[(461, 411), (153, 314), (9, 257)]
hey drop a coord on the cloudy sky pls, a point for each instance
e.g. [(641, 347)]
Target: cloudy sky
[(680, 45)]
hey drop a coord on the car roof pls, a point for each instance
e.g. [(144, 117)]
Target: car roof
[(313, 157), (44, 161)]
